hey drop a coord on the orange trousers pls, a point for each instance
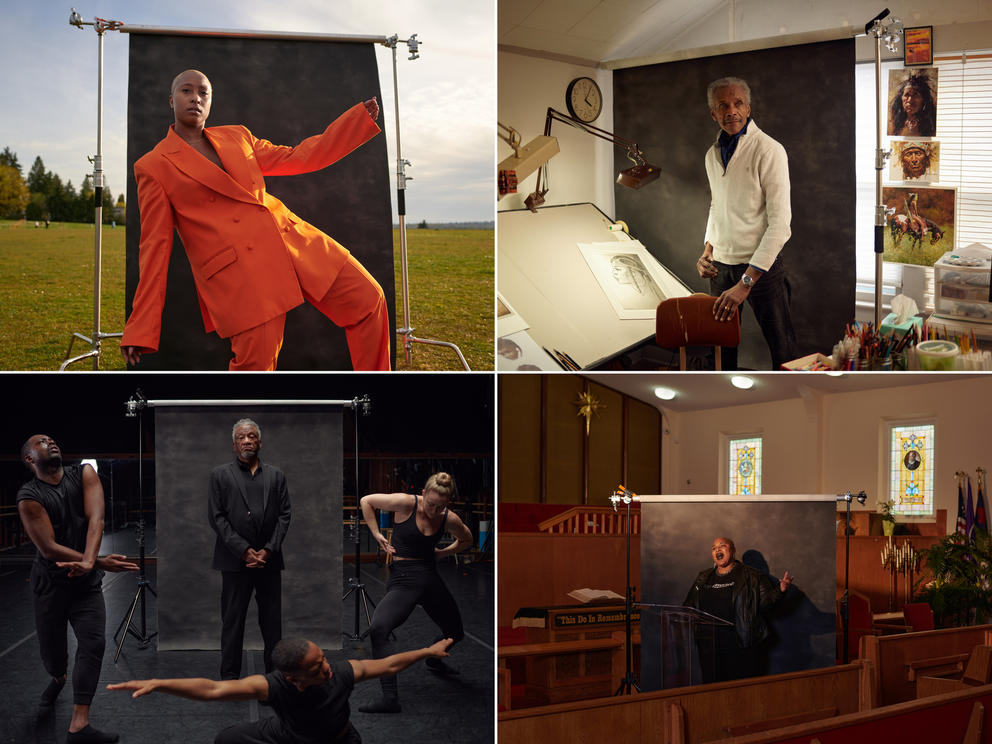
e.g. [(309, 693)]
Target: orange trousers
[(355, 301)]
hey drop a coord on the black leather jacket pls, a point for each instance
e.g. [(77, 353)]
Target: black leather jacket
[(753, 595)]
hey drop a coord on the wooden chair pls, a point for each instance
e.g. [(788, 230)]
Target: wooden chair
[(860, 623), (689, 321), (918, 616)]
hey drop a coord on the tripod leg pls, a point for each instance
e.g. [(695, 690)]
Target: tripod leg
[(365, 601), (126, 624)]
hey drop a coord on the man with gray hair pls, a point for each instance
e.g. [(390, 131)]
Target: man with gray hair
[(249, 510), (749, 221)]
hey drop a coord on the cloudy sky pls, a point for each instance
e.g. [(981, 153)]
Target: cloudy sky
[(447, 97)]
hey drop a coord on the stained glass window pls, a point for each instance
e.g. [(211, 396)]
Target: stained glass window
[(911, 469), (745, 467)]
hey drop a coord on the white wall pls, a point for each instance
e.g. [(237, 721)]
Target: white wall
[(834, 443), (583, 170)]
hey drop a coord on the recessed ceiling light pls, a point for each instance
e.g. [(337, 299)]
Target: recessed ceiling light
[(742, 382), (834, 373), (664, 393)]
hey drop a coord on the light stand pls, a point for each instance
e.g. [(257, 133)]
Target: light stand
[(99, 25), (133, 408), (628, 683), (847, 498), (406, 332), (360, 406), (891, 34)]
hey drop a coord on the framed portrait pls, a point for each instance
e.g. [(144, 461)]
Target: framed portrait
[(915, 161), (918, 46), (920, 223), (912, 102)]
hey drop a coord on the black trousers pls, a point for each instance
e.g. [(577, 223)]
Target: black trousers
[(78, 603), (727, 663), (271, 731), (770, 299), (412, 583), (236, 590)]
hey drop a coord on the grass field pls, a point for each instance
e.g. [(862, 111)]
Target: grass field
[(46, 291)]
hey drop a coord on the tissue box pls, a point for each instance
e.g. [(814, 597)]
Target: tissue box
[(889, 324)]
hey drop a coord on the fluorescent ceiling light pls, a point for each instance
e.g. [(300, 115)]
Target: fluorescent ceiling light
[(742, 382)]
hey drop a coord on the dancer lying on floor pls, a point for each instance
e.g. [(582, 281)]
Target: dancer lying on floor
[(308, 694)]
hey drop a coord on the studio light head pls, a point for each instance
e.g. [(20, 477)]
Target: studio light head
[(888, 32), (362, 405)]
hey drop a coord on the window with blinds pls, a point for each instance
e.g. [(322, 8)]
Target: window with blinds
[(964, 131)]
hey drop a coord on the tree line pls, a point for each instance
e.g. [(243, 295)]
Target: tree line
[(42, 195)]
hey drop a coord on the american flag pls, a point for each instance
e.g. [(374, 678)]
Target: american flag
[(962, 524)]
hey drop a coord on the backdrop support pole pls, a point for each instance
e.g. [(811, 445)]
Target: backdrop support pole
[(880, 156), (355, 586), (406, 332), (99, 25), (133, 407)]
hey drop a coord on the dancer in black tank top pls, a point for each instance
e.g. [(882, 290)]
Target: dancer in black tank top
[(419, 523), (61, 509)]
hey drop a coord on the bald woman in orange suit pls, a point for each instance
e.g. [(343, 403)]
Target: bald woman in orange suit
[(252, 259)]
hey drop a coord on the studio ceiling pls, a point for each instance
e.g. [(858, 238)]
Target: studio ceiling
[(701, 391), (599, 29)]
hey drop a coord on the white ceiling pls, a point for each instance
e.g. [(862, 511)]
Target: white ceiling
[(704, 390), (601, 30)]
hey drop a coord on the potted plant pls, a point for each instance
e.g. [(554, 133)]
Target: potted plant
[(960, 587), (888, 518)]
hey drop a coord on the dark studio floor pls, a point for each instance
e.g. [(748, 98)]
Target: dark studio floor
[(435, 709)]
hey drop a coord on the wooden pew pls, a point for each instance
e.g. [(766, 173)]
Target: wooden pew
[(692, 715), (977, 673), (963, 717), (898, 660)]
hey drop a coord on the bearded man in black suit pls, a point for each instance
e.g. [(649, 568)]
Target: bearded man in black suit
[(250, 512)]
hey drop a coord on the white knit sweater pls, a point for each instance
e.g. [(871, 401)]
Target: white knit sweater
[(750, 211)]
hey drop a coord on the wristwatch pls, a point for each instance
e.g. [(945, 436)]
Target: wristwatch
[(748, 281)]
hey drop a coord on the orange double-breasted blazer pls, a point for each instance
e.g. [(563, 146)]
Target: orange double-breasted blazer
[(251, 257)]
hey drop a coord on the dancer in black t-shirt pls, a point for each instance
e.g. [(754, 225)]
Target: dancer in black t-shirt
[(419, 523), (61, 509), (308, 694)]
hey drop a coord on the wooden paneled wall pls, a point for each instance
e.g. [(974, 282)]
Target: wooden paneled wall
[(546, 456), (538, 570)]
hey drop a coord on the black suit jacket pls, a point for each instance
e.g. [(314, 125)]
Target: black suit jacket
[(229, 517)]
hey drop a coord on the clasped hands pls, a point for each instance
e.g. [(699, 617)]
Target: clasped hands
[(255, 558)]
